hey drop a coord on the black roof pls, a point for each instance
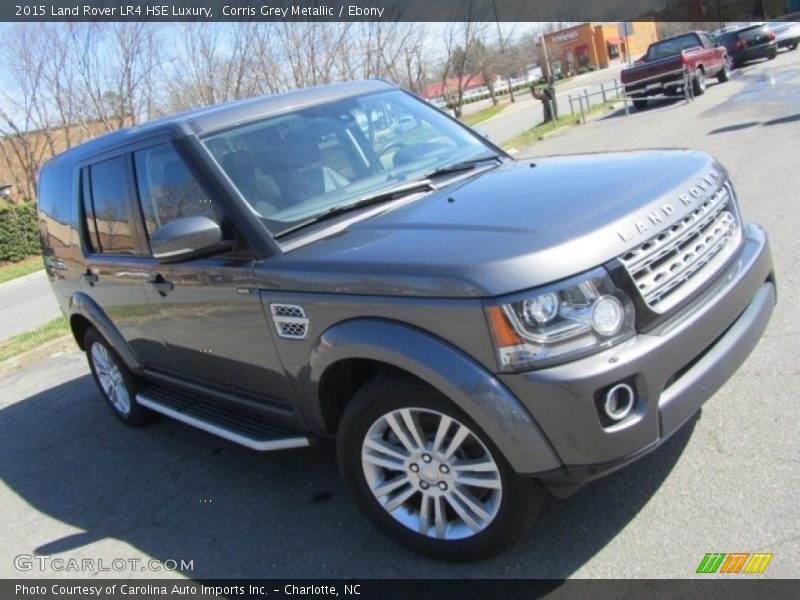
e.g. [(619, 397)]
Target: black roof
[(210, 118)]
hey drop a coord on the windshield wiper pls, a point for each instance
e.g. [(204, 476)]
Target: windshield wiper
[(467, 165), (402, 189)]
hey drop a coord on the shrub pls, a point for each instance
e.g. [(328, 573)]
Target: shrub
[(19, 231)]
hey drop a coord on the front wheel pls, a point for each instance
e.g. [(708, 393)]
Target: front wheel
[(699, 82), (426, 474), (640, 103), (725, 74), (117, 383)]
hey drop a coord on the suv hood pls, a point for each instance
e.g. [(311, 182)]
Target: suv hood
[(523, 224)]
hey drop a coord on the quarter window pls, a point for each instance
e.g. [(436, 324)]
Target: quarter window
[(167, 189)]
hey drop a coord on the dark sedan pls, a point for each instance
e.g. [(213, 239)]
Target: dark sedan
[(748, 43)]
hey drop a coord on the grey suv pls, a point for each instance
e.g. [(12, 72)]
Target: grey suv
[(349, 263)]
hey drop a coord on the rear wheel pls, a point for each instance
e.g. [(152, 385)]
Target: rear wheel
[(772, 55), (426, 474), (117, 383), (699, 82)]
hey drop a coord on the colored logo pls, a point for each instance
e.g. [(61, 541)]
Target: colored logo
[(735, 562)]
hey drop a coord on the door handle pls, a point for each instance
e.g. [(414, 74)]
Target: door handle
[(161, 285), (90, 278)]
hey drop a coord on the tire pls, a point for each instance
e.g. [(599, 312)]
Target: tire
[(699, 82), (640, 103), (377, 448), (725, 73), (117, 384), (772, 55)]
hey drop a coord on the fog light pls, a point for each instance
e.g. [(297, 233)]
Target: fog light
[(619, 402), (607, 315)]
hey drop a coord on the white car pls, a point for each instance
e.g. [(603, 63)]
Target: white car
[(787, 33)]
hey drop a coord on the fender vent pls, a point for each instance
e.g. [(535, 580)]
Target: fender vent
[(290, 321)]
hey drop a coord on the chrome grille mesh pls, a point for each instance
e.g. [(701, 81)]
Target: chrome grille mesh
[(673, 264)]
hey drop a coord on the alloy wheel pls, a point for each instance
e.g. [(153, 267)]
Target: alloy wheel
[(110, 378), (431, 473)]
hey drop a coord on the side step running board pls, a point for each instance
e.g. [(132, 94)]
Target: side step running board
[(233, 426)]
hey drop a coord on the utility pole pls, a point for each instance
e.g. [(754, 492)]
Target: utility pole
[(503, 53), (546, 60)]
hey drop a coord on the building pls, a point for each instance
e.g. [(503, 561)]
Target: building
[(440, 89), (21, 155), (595, 46)]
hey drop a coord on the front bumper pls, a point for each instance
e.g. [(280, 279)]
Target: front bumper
[(673, 370)]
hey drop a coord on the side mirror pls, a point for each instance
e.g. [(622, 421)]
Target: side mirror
[(189, 237)]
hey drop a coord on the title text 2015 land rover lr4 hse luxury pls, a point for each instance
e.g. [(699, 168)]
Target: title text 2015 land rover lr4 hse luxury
[(347, 262)]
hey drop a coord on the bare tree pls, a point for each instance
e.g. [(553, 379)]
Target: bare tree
[(460, 62), (25, 116)]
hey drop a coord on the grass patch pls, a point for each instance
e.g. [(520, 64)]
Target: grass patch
[(483, 115), (528, 137), (29, 340), (26, 266)]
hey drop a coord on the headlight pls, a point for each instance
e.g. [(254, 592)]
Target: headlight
[(560, 322)]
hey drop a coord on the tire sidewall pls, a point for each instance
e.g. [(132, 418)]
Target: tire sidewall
[(517, 506), (725, 73), (136, 414), (699, 82)]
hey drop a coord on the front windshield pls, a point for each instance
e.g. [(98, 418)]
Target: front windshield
[(293, 167)]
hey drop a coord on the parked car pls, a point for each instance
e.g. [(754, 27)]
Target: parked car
[(404, 124), (471, 330), (787, 33), (664, 68), (749, 42)]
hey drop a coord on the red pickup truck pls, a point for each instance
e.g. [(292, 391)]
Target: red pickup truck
[(661, 69)]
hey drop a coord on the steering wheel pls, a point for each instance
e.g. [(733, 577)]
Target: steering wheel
[(392, 146)]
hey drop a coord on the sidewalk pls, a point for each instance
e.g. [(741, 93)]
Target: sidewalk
[(26, 303)]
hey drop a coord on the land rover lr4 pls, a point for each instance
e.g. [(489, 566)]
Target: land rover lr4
[(347, 262)]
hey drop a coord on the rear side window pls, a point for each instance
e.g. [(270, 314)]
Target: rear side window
[(755, 34), (167, 189), (106, 199)]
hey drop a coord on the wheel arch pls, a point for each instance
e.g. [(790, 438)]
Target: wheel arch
[(85, 313), (348, 353)]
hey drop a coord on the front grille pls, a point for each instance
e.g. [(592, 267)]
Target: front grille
[(673, 264)]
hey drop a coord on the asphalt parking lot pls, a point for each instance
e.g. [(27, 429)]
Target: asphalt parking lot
[(77, 484)]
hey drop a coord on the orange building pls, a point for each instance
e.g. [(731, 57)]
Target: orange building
[(597, 45)]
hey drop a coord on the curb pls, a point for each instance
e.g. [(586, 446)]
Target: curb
[(57, 346), (564, 128), (23, 278)]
